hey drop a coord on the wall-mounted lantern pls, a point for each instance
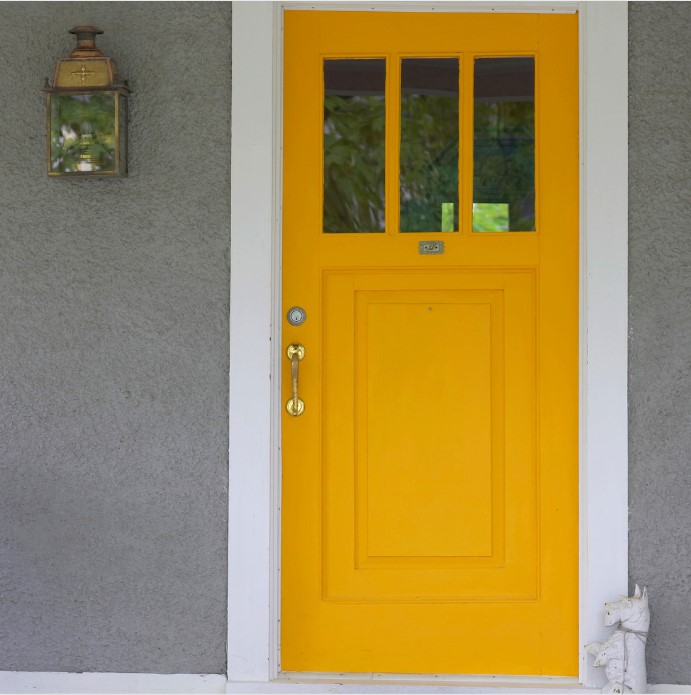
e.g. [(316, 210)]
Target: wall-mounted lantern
[(87, 112)]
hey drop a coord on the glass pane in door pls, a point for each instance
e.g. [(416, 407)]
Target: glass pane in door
[(504, 145), (354, 140), (429, 145)]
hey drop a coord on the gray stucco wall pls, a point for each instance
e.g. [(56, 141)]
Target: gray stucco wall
[(114, 353), (660, 327)]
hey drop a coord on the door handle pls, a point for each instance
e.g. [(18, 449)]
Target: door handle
[(295, 352)]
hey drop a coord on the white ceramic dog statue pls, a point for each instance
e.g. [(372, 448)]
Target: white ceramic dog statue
[(623, 654)]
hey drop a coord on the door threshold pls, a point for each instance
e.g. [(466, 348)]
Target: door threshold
[(310, 682), (426, 679)]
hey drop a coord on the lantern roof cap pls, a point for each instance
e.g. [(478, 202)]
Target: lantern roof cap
[(86, 67), (86, 41)]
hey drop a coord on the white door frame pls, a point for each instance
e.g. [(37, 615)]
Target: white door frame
[(255, 322)]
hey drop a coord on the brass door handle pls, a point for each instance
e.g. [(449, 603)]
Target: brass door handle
[(295, 352)]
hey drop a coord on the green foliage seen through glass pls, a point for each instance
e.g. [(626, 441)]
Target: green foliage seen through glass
[(429, 145), (353, 164), (504, 142), (354, 145), (490, 217), (82, 132)]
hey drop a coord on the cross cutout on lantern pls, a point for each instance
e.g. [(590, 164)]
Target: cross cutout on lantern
[(84, 73)]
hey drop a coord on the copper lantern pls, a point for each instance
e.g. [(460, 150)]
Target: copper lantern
[(87, 112)]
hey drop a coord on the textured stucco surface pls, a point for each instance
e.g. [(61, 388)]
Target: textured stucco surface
[(660, 328), (114, 352)]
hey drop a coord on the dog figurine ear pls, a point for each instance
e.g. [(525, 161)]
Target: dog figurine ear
[(645, 592), (637, 593)]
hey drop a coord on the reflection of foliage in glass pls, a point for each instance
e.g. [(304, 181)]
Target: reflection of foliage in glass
[(448, 211), (82, 132), (353, 163), (504, 166), (490, 217), (429, 160)]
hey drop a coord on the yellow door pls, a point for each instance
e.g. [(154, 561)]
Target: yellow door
[(430, 236)]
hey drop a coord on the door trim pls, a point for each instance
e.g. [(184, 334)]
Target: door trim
[(255, 320)]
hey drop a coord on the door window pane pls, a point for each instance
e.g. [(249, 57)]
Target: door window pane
[(354, 138), (429, 145), (504, 145)]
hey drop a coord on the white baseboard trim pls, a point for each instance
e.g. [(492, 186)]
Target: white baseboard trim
[(45, 682), (48, 682)]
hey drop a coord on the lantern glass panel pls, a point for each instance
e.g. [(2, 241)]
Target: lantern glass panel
[(121, 130), (83, 132)]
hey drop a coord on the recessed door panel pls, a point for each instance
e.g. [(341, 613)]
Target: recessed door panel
[(423, 425)]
